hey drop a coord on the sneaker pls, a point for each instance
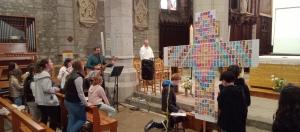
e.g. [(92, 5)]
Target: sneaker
[(164, 122), (148, 126)]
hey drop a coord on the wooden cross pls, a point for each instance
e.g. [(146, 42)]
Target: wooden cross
[(204, 56)]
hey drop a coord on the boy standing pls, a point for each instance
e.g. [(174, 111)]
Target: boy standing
[(232, 103)]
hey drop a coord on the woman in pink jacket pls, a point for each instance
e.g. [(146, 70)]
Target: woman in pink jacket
[(97, 95)]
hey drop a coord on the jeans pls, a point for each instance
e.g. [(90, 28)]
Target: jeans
[(77, 116), (18, 100), (49, 111), (109, 109), (33, 110)]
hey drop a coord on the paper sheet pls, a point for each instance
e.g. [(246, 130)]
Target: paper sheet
[(178, 114), (92, 74)]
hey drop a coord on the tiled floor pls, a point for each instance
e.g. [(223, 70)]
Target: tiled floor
[(134, 121)]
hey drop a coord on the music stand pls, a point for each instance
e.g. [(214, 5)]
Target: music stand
[(116, 72)]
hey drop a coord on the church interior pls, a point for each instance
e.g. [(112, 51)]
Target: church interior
[(32, 30)]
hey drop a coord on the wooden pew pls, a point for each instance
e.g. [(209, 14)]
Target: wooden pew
[(21, 121), (99, 121), (96, 117), (196, 124)]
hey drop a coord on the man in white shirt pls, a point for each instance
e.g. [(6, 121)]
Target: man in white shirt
[(146, 51)]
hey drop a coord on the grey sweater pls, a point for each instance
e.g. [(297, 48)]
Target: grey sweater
[(44, 92), (78, 83)]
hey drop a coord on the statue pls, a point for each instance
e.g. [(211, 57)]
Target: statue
[(243, 6), (140, 15), (87, 12)]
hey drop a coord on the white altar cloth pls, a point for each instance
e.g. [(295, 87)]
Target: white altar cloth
[(286, 60)]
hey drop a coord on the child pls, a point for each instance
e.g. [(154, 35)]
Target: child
[(11, 67), (25, 75), (232, 104), (239, 81), (29, 88), (97, 95), (16, 89), (287, 117), (168, 105)]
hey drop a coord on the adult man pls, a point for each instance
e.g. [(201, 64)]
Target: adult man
[(168, 105), (146, 51), (95, 59)]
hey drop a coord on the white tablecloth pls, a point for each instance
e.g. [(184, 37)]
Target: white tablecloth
[(287, 60)]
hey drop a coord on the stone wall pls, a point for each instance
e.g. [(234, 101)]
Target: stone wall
[(45, 12), (87, 38), (183, 12)]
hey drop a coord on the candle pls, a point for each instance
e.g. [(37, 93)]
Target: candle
[(191, 35)]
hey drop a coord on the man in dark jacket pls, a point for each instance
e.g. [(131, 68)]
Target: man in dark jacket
[(232, 104), (168, 104)]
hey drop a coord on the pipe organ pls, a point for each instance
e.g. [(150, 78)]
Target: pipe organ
[(18, 43)]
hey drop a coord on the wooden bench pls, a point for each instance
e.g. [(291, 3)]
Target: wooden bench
[(21, 121), (98, 118), (196, 124)]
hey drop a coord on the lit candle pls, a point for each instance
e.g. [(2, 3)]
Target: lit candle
[(191, 35)]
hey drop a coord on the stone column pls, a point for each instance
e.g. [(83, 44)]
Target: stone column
[(118, 19), (65, 27)]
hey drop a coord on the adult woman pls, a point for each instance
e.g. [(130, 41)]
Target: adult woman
[(75, 99), (45, 94), (64, 71), (287, 116)]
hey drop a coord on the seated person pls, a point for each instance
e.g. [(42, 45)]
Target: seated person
[(97, 95), (168, 104), (232, 103)]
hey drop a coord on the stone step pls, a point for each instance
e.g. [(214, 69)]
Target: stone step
[(155, 106)]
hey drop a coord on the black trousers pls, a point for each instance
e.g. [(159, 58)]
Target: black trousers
[(49, 111), (178, 120)]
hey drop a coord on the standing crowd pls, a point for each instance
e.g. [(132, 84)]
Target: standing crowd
[(36, 90)]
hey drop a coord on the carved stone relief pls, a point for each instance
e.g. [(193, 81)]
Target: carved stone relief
[(87, 12), (140, 14), (244, 6)]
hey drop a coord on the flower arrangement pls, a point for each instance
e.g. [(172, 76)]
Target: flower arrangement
[(278, 83), (187, 83)]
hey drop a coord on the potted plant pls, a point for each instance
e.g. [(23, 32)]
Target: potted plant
[(278, 83), (187, 85)]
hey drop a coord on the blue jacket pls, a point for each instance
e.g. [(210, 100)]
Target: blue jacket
[(172, 106)]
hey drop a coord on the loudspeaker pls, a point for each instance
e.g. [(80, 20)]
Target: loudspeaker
[(147, 69)]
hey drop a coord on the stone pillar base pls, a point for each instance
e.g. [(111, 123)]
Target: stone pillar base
[(127, 83)]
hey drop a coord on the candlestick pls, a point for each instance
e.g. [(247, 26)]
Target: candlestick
[(191, 35)]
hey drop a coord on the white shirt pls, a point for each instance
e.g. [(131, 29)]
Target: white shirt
[(146, 52), (61, 77)]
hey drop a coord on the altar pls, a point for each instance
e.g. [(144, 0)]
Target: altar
[(287, 67)]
